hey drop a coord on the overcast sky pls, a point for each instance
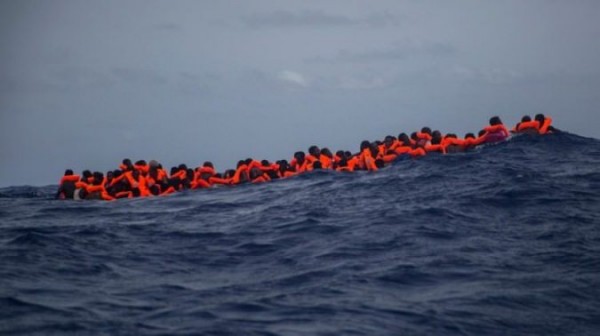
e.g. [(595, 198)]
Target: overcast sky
[(84, 84)]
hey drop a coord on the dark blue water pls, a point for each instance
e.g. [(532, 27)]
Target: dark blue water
[(501, 241)]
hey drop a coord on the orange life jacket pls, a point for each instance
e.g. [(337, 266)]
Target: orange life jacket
[(69, 178), (326, 162), (534, 124), (241, 171), (423, 139), (435, 148), (546, 125), (368, 161)]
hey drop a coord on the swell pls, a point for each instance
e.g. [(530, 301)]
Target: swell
[(502, 240)]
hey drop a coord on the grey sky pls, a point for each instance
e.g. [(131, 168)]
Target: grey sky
[(84, 84)]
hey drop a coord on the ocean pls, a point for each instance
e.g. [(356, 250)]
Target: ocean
[(504, 240)]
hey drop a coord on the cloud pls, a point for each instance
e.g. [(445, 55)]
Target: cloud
[(397, 51), (312, 18), (293, 78), (491, 75), (138, 76)]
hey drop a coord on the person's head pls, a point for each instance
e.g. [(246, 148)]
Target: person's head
[(436, 140), (340, 154), (540, 118), (98, 178), (174, 170), (86, 174), (255, 172), (436, 134), (208, 164), (299, 156), (374, 149), (314, 151), (526, 118), (68, 172), (364, 145), (389, 140), (469, 136), (153, 164), (248, 161), (265, 163), (283, 166), (414, 136), (317, 165), (426, 130), (241, 163), (482, 132), (325, 151), (140, 163), (404, 139), (495, 120), (135, 174), (117, 173), (182, 166), (229, 173)]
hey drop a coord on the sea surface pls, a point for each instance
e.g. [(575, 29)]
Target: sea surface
[(504, 240)]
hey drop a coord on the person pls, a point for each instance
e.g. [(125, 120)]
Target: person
[(405, 146), (496, 131), (423, 138), (326, 158), (367, 155), (526, 125), (453, 144), (299, 162), (241, 173), (545, 124), (66, 186), (435, 145)]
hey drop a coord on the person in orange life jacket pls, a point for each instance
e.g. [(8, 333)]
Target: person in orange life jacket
[(258, 176), (436, 144), (405, 146), (118, 186), (526, 125), (270, 169), (96, 190), (314, 154), (66, 187), (453, 144), (496, 132), (326, 158), (342, 166), (387, 150), (545, 124), (423, 138), (141, 166), (367, 155), (285, 170), (299, 162), (241, 173), (126, 165), (339, 155)]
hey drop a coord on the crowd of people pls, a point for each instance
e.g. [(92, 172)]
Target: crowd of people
[(144, 179)]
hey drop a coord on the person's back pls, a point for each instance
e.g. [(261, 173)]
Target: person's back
[(66, 187), (496, 131)]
